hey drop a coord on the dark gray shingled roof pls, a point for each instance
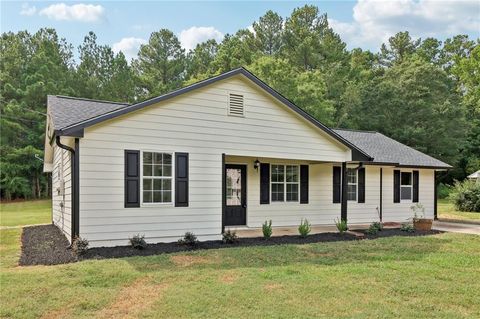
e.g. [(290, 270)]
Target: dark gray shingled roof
[(65, 110), (386, 150)]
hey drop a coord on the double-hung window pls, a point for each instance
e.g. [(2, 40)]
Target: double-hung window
[(406, 186), (157, 177), (285, 180), (352, 183)]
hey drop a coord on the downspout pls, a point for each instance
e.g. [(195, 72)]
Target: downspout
[(74, 181)]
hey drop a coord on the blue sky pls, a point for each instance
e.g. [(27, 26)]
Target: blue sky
[(127, 24)]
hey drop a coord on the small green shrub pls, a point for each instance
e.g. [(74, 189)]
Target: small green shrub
[(443, 190), (304, 228), (79, 246), (373, 229), (407, 228), (229, 237), (138, 242), (341, 225), (267, 229), (466, 196), (188, 239)]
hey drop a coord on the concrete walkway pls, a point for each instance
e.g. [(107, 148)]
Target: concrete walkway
[(457, 227)]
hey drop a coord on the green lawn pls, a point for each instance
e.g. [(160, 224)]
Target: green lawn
[(26, 213), (446, 210), (436, 276)]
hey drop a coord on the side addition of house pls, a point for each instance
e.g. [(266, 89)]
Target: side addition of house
[(227, 151)]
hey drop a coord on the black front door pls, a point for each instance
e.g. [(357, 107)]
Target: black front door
[(236, 195)]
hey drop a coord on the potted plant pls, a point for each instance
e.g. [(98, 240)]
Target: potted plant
[(419, 220)]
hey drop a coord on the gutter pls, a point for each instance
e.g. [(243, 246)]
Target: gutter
[(74, 166)]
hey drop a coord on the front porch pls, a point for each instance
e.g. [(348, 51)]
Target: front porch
[(283, 190)]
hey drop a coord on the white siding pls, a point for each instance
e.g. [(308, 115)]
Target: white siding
[(365, 213), (400, 212), (196, 123), (62, 192), (319, 211)]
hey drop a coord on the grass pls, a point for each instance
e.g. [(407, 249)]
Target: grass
[(25, 213), (446, 210), (405, 277)]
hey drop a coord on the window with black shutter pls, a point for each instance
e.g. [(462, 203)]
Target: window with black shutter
[(264, 183), (396, 186), (132, 178), (181, 179), (337, 184), (415, 186), (303, 184), (361, 185)]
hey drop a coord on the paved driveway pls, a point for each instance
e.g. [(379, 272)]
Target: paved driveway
[(457, 227)]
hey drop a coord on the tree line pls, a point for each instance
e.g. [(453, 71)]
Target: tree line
[(422, 92)]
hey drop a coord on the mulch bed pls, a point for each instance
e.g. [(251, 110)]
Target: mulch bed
[(397, 232), (46, 245)]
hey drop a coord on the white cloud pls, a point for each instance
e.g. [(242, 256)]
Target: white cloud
[(375, 21), (129, 46), (77, 12), (191, 37), (28, 10)]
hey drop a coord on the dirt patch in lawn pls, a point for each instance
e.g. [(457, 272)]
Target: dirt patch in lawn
[(45, 245), (229, 277), (188, 260), (272, 287), (58, 313), (133, 299)]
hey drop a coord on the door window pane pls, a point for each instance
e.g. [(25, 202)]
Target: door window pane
[(234, 186)]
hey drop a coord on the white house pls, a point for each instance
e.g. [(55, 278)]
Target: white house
[(225, 151), (475, 176)]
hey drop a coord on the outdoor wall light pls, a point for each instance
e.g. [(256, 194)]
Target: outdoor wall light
[(256, 164)]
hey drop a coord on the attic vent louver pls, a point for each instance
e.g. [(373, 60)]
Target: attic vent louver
[(235, 105)]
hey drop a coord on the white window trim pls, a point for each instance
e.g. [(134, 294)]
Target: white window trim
[(284, 184), (356, 185), (142, 204), (411, 187)]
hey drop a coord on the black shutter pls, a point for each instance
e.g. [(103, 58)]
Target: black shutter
[(415, 186), (303, 184), (396, 186), (361, 185), (181, 179), (132, 178), (264, 183), (337, 183)]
